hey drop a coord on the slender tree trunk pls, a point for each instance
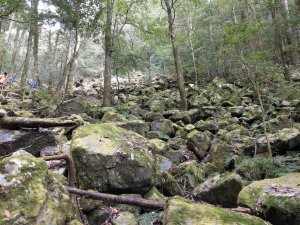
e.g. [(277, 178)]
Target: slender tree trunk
[(27, 60), (17, 44), (289, 32), (35, 26), (53, 64), (279, 40), (107, 95), (6, 44), (190, 35), (178, 67)]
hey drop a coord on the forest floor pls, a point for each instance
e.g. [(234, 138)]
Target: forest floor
[(207, 165)]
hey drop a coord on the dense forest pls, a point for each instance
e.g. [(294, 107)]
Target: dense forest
[(148, 112)]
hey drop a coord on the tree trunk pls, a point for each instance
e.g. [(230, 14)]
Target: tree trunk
[(35, 26), (279, 41), (178, 67), (289, 33), (27, 60), (16, 50), (190, 35), (107, 95), (6, 45)]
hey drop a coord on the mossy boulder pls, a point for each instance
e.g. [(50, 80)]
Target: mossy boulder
[(73, 106), (125, 218), (209, 125), (220, 190), (165, 126), (196, 101), (154, 194), (109, 158), (218, 154), (189, 174), (181, 116), (287, 139), (185, 212), (33, 141), (114, 117), (137, 126), (157, 106), (278, 199), (160, 146), (198, 142), (30, 194)]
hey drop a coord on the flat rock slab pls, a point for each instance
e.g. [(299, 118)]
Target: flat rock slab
[(31, 141)]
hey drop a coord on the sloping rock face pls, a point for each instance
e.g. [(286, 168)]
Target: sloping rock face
[(31, 141), (30, 194), (220, 190), (278, 200), (72, 106), (111, 159), (184, 212)]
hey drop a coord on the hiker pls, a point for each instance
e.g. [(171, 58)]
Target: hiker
[(3, 80)]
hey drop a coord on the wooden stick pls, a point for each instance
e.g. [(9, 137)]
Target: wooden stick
[(149, 204)]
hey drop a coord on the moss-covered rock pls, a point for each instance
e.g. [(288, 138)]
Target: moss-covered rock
[(198, 142), (119, 159), (137, 126), (170, 186), (160, 146), (189, 174), (30, 194), (209, 125), (125, 218), (33, 141), (220, 190), (278, 200), (154, 194), (184, 212), (111, 116), (165, 126), (218, 154)]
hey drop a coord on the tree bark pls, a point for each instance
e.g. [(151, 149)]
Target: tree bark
[(27, 60), (17, 45), (107, 95), (35, 28), (118, 199), (178, 66)]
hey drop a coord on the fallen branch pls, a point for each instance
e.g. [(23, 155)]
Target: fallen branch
[(22, 122), (149, 204), (70, 163)]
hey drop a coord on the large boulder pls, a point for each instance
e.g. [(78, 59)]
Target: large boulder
[(287, 139), (31, 140), (184, 212), (109, 158), (72, 106), (220, 190), (278, 200), (30, 194), (165, 126), (198, 142)]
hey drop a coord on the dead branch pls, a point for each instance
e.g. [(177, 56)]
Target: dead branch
[(70, 163), (118, 199), (16, 123)]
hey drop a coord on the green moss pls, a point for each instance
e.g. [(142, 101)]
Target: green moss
[(181, 211), (282, 194)]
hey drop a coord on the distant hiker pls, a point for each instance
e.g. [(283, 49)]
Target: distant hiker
[(3, 80)]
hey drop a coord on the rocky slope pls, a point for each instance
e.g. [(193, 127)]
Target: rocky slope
[(215, 152)]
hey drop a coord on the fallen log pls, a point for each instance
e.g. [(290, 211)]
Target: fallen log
[(22, 122), (144, 203)]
